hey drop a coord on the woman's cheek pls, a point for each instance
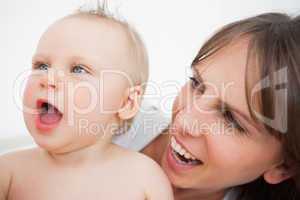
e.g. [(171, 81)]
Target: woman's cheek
[(236, 155), (181, 100), (225, 150), (175, 108)]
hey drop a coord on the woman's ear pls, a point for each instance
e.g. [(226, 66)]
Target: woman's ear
[(278, 174), (131, 104)]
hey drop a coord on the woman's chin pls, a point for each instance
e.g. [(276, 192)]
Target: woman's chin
[(174, 178), (177, 181)]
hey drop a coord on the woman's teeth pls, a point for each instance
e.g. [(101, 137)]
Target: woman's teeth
[(184, 155)]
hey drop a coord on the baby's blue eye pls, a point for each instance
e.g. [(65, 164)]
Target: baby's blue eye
[(78, 69), (43, 67)]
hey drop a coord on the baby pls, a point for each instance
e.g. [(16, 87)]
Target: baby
[(87, 82)]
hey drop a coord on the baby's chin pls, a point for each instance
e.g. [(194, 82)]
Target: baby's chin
[(62, 144), (52, 144)]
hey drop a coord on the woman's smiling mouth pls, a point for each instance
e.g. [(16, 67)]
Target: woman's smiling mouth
[(179, 158), (182, 155)]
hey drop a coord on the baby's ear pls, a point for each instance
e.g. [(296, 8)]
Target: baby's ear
[(279, 173), (131, 104)]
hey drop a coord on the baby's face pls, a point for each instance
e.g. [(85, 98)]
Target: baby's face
[(77, 83)]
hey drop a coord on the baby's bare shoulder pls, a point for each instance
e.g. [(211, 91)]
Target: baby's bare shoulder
[(20, 153), (149, 174), (141, 165), (19, 157), (135, 160), (10, 165)]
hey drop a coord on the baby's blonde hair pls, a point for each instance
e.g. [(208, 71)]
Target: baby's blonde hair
[(140, 77)]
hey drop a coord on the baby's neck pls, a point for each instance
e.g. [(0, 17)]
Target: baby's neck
[(97, 152)]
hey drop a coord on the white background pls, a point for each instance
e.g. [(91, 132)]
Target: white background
[(173, 31)]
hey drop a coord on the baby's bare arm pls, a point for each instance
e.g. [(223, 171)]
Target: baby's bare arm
[(157, 185), (5, 178), (146, 176)]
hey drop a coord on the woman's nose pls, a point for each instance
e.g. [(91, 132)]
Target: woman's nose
[(184, 100)]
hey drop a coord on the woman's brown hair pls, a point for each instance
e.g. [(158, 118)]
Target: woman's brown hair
[(273, 61)]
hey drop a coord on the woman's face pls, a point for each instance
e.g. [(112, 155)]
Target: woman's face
[(228, 147)]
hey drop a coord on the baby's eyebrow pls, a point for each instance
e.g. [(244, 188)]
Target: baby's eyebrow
[(82, 60), (87, 62), (39, 57), (78, 58)]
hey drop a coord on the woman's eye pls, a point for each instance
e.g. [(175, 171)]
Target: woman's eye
[(196, 84), (230, 119), (78, 69), (42, 67)]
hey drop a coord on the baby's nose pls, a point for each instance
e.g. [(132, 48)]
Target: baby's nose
[(47, 84), (51, 80)]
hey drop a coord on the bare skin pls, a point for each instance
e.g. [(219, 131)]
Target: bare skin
[(76, 163), (231, 156), (155, 152), (35, 175)]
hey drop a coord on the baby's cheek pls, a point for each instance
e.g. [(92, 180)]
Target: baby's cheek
[(112, 91), (92, 94), (30, 87), (111, 99), (82, 98), (29, 92)]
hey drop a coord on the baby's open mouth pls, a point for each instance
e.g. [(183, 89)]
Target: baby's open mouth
[(49, 116)]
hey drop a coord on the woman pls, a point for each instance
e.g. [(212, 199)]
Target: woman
[(234, 124)]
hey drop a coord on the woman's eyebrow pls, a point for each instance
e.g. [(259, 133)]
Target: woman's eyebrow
[(225, 106), (197, 75), (221, 103), (233, 110)]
